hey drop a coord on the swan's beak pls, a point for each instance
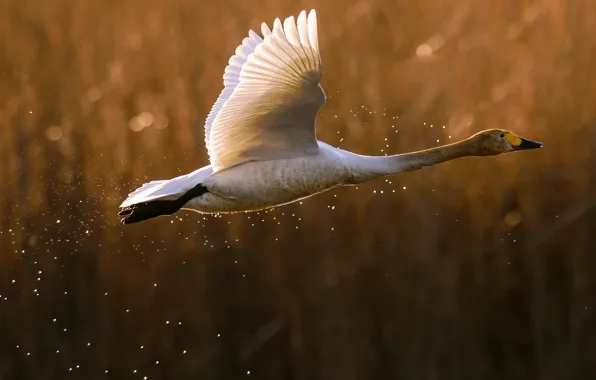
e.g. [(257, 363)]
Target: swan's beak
[(527, 144), (519, 143)]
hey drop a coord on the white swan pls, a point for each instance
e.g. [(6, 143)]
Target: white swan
[(260, 135)]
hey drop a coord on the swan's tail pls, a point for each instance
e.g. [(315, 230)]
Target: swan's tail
[(163, 197), (147, 210)]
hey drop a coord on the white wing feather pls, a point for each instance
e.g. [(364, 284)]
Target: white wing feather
[(167, 189), (271, 97), (231, 77)]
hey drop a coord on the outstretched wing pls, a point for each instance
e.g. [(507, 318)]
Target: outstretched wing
[(271, 97)]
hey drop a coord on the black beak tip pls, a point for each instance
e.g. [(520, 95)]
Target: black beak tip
[(528, 144)]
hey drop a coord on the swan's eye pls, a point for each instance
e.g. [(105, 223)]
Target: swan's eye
[(502, 135)]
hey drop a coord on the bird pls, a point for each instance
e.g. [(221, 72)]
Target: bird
[(261, 140)]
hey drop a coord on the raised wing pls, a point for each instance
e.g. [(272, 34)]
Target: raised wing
[(271, 97)]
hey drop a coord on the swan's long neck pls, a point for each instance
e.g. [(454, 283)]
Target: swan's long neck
[(365, 168)]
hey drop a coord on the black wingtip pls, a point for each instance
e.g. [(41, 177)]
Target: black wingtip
[(125, 211), (148, 210), (127, 221)]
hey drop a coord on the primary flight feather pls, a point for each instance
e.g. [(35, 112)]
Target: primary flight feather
[(260, 135)]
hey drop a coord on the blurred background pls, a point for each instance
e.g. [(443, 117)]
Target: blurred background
[(481, 268)]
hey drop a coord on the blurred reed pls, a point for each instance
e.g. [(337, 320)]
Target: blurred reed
[(475, 269)]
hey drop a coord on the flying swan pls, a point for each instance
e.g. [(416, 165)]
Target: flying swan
[(260, 136)]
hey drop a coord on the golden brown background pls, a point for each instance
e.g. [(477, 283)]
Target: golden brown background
[(482, 268)]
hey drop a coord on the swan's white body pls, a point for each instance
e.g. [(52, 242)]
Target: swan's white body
[(260, 135), (256, 185)]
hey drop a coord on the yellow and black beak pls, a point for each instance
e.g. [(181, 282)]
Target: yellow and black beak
[(528, 144), (519, 143)]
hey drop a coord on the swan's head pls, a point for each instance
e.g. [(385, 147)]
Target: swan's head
[(496, 141)]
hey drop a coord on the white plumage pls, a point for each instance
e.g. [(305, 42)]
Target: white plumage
[(167, 189), (260, 135), (271, 97)]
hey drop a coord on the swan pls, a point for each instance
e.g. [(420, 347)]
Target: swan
[(261, 140)]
